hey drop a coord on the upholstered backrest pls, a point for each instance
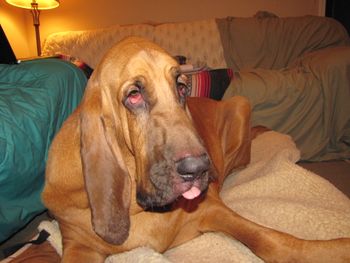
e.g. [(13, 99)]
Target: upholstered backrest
[(275, 43), (89, 46), (199, 41)]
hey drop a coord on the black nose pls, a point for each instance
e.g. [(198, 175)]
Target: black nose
[(189, 168)]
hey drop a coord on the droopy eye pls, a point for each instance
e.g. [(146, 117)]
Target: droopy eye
[(134, 96), (181, 84)]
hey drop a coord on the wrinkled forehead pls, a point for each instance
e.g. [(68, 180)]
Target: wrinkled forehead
[(138, 57), (151, 64)]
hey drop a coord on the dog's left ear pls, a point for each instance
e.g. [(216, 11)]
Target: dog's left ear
[(106, 178), (224, 126)]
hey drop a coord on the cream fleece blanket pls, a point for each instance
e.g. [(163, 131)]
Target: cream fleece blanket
[(272, 191)]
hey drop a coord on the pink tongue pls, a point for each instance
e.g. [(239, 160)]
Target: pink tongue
[(192, 193)]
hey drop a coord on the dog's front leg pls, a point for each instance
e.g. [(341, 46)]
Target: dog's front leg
[(74, 252)]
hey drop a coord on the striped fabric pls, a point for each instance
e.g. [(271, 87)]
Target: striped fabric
[(210, 83), (80, 64)]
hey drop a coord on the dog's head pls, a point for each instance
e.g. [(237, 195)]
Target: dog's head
[(136, 137)]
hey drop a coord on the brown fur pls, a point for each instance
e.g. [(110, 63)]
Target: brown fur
[(116, 162)]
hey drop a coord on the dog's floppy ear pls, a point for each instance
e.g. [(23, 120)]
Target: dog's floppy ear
[(106, 178), (224, 126)]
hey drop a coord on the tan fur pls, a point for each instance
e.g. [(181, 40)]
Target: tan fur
[(107, 163)]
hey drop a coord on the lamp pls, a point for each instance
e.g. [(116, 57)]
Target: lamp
[(35, 6)]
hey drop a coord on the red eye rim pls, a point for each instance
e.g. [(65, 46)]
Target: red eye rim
[(182, 90), (135, 97), (181, 85)]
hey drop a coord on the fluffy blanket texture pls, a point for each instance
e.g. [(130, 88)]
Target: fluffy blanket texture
[(272, 191)]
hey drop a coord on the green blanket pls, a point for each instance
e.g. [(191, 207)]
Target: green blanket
[(35, 98)]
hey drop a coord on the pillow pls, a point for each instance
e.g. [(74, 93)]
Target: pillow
[(209, 83)]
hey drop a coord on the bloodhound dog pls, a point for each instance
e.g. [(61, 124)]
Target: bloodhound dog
[(131, 167)]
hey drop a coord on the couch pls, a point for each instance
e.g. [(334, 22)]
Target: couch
[(295, 71)]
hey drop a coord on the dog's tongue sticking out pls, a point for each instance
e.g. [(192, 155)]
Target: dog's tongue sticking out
[(192, 193)]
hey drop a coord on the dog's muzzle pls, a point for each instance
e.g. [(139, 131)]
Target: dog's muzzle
[(191, 169)]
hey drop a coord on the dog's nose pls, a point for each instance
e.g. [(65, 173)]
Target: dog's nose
[(190, 167)]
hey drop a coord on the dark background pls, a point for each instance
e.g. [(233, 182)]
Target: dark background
[(340, 10)]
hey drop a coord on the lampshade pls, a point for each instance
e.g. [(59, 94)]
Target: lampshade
[(42, 4)]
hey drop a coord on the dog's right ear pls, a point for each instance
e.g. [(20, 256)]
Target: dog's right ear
[(106, 178)]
